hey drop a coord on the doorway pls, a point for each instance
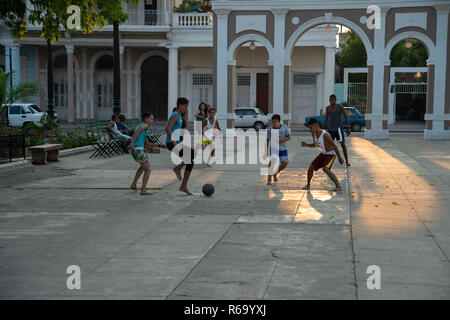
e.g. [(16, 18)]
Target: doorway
[(262, 91), (154, 87)]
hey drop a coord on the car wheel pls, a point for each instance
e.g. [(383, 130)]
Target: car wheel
[(258, 126), (356, 127)]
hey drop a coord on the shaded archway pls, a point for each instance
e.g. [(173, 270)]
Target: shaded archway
[(250, 82), (408, 84), (424, 41), (154, 86), (309, 88)]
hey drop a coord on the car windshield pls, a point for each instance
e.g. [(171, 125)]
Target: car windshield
[(35, 109), (259, 111), (357, 112)]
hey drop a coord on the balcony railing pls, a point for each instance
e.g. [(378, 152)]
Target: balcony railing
[(148, 17), (193, 20)]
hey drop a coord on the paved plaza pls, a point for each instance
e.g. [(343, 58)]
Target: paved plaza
[(248, 241)]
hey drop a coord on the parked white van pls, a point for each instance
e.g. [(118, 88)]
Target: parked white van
[(23, 114)]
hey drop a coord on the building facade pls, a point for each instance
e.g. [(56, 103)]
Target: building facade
[(278, 56), (379, 24), (164, 55)]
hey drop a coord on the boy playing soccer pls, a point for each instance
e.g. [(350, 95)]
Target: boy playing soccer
[(282, 152), (326, 157)]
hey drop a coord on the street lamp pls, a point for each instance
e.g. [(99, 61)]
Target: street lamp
[(252, 45), (408, 44)]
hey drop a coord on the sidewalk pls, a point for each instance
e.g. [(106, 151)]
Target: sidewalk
[(248, 241)]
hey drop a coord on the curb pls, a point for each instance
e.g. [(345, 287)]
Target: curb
[(73, 151), (16, 165), (22, 164)]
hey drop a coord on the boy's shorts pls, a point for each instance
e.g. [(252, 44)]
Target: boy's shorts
[(337, 134), (323, 161), (139, 155), (282, 154)]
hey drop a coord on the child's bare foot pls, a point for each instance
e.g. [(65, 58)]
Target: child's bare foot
[(177, 173), (133, 186), (185, 190), (269, 181), (307, 187), (275, 177), (145, 193), (337, 189), (348, 164)]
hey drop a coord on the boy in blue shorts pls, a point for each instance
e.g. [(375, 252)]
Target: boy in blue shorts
[(282, 152)]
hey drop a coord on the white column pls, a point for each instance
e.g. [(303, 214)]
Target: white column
[(438, 59), (377, 61), (124, 105), (328, 75), (129, 93), (84, 76), (70, 94), (278, 62), (15, 56), (222, 67), (253, 88), (173, 79)]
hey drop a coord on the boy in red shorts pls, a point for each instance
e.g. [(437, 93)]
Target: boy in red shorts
[(326, 157)]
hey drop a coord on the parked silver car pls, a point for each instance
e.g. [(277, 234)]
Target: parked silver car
[(248, 117)]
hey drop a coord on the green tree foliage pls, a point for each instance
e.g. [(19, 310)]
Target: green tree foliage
[(52, 15), (185, 5), (353, 54), (18, 91), (416, 56)]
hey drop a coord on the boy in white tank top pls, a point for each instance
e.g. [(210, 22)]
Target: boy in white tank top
[(326, 157)]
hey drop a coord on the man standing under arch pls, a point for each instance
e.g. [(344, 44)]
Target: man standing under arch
[(334, 112)]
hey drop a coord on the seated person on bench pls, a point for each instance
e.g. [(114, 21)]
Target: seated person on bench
[(122, 127), (112, 127)]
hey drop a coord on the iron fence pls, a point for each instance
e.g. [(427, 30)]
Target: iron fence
[(357, 95), (12, 146)]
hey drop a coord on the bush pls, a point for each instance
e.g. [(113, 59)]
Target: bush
[(51, 133)]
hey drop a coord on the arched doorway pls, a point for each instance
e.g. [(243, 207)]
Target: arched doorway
[(252, 77), (310, 88), (103, 87), (154, 88), (408, 84)]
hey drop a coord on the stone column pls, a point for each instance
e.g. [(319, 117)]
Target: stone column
[(278, 63), (122, 82), (435, 116), (328, 75), (70, 93), (375, 117), (173, 79), (221, 70)]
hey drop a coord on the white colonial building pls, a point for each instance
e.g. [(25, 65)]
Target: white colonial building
[(165, 55), (276, 55)]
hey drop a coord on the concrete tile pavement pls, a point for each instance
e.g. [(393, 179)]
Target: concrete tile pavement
[(247, 241)]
